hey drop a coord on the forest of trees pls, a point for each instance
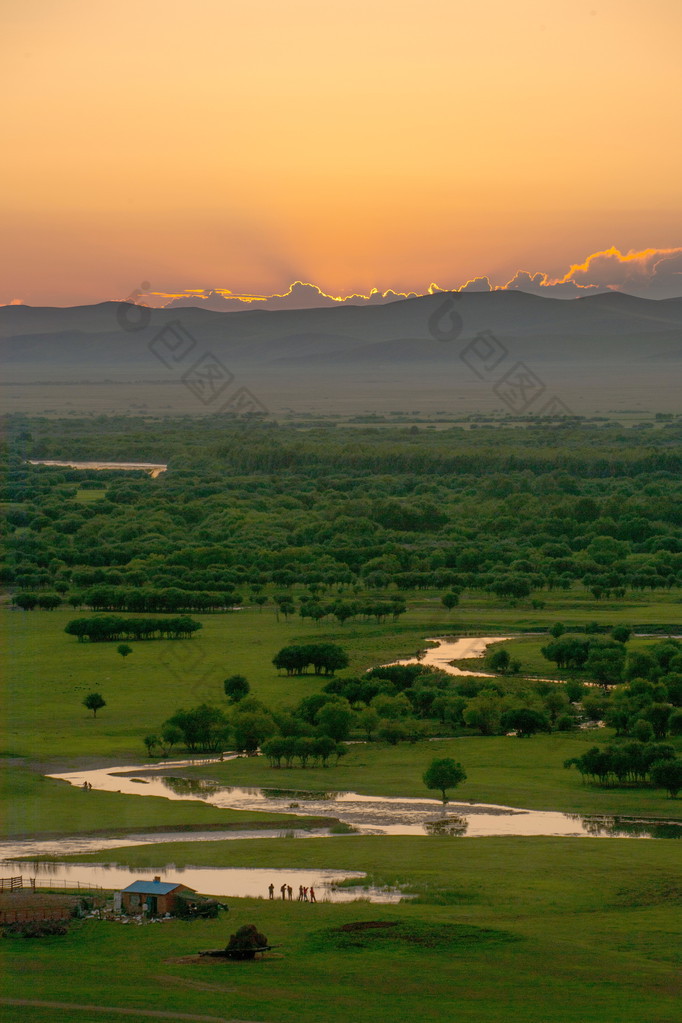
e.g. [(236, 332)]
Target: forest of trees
[(241, 515)]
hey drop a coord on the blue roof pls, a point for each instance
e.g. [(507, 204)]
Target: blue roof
[(152, 887)]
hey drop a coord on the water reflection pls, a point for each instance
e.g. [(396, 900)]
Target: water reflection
[(189, 786), (454, 827), (629, 827), (300, 795), (372, 815)]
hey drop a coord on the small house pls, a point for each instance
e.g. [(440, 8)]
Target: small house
[(155, 898)]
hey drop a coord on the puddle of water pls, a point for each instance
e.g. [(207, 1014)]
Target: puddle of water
[(220, 881)]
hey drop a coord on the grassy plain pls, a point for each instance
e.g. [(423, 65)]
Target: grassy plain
[(570, 931), (49, 673)]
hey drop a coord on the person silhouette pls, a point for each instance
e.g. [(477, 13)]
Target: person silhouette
[(271, 890), (312, 895), (283, 891), (290, 892)]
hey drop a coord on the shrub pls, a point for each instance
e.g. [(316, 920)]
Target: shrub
[(245, 943), (36, 929)]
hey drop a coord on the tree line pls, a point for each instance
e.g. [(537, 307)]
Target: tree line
[(635, 763), (108, 629)]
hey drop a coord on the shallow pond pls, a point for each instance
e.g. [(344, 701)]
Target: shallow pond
[(220, 881)]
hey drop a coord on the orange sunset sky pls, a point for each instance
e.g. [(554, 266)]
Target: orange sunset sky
[(242, 146)]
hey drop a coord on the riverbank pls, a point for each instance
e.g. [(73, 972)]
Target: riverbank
[(34, 806), (500, 769)]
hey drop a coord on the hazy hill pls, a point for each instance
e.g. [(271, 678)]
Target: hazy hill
[(594, 339)]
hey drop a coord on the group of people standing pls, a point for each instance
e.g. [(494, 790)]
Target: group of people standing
[(287, 893)]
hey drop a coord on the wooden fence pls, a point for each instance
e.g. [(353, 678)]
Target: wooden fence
[(69, 884), (16, 884), (11, 884)]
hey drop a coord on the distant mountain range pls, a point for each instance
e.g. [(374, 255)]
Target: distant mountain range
[(484, 335)]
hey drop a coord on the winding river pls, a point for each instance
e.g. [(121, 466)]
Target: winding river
[(360, 813), (446, 650)]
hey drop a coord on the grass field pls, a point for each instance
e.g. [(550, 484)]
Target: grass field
[(532, 930), (49, 673), (571, 931)]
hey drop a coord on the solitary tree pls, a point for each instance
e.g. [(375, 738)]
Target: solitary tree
[(94, 701), (498, 660), (151, 742), (124, 650), (668, 774), (621, 633), (444, 774), (236, 688)]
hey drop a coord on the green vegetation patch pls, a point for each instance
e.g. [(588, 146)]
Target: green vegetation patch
[(393, 935)]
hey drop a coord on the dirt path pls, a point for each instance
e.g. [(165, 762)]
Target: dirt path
[(146, 1013)]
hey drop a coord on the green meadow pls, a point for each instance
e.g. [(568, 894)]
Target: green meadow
[(572, 931), (536, 929), (49, 673)]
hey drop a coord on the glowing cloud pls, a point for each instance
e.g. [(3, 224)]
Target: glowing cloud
[(646, 270), (477, 284), (301, 295), (649, 273), (540, 284)]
